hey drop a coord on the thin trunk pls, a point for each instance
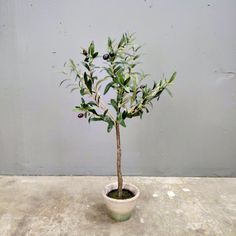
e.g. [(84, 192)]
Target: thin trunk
[(118, 161)]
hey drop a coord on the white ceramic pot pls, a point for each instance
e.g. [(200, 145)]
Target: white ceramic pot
[(120, 209)]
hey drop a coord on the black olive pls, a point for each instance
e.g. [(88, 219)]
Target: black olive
[(111, 54), (80, 115), (142, 86), (85, 52), (105, 57)]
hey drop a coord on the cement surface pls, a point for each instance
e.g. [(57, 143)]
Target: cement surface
[(51, 206)]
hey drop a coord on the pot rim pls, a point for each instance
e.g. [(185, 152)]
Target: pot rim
[(122, 200)]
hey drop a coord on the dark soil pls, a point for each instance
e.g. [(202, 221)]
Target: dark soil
[(126, 194)]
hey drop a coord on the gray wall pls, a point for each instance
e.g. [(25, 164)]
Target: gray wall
[(192, 134)]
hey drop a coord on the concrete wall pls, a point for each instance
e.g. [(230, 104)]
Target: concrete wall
[(192, 134)]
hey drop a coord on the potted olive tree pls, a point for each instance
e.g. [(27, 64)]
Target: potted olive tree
[(118, 81)]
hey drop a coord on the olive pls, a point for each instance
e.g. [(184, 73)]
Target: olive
[(80, 115), (142, 86), (105, 57), (85, 52), (111, 54)]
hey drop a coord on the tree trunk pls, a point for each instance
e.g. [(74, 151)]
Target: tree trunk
[(118, 161)]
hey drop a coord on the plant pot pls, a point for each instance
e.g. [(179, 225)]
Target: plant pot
[(120, 209)]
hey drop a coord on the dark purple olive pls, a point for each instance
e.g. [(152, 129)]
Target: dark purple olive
[(111, 54), (80, 115), (85, 52), (105, 57)]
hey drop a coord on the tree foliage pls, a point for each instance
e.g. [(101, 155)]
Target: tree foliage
[(132, 96)]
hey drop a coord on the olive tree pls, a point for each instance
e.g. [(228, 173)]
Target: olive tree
[(131, 96)]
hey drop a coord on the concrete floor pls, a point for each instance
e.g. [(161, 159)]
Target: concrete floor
[(51, 206)]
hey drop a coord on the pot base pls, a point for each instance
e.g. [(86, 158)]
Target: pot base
[(118, 216), (120, 209)]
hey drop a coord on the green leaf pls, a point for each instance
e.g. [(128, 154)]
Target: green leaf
[(89, 119), (89, 86), (100, 81), (82, 92), (129, 115), (88, 82), (120, 120), (172, 78), (125, 101), (138, 48), (117, 69), (120, 78), (109, 71), (154, 85), (109, 43), (158, 94), (119, 97), (126, 88), (73, 89), (114, 104), (85, 76), (105, 112), (77, 109), (136, 57), (169, 92), (146, 109), (72, 64), (110, 125), (86, 66), (121, 41), (95, 54), (135, 114), (124, 114), (92, 103), (141, 114), (127, 81), (108, 86), (91, 48), (64, 80), (96, 119), (93, 111), (70, 85)]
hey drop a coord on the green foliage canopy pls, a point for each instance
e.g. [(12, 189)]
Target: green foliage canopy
[(132, 96)]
